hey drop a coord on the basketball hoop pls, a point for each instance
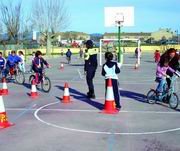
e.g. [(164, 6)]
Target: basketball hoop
[(119, 19)]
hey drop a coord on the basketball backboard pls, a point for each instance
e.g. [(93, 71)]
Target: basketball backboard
[(119, 16)]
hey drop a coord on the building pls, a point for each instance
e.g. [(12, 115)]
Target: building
[(161, 34), (142, 36), (72, 35)]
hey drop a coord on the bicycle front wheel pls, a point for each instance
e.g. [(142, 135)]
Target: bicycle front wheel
[(46, 84), (173, 101), (151, 97), (19, 77)]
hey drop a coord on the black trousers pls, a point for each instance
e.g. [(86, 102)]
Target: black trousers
[(90, 73), (115, 91)]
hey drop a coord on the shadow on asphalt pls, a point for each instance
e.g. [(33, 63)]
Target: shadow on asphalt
[(133, 95), (27, 85), (148, 61), (82, 97), (77, 65)]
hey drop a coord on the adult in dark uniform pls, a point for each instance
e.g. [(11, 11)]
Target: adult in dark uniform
[(90, 67)]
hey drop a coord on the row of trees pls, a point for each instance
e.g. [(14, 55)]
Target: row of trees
[(46, 16)]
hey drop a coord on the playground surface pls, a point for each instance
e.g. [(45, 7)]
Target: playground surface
[(46, 124)]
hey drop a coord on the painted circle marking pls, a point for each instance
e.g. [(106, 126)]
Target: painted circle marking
[(103, 132)]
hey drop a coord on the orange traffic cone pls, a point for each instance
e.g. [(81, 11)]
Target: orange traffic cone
[(109, 106), (4, 90), (3, 116), (61, 66), (34, 93), (66, 96), (136, 65)]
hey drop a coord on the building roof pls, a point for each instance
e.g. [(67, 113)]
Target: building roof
[(128, 34)]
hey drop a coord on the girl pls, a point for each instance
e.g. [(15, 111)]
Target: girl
[(22, 63), (161, 75)]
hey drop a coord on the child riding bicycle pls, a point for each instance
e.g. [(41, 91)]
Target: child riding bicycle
[(38, 66), (161, 75), (12, 62)]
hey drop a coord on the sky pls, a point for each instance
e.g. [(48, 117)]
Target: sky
[(149, 15)]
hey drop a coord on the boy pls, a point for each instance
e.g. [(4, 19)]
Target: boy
[(38, 65), (12, 61), (68, 55), (2, 64), (110, 70)]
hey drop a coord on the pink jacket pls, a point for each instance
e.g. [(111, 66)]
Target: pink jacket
[(161, 71)]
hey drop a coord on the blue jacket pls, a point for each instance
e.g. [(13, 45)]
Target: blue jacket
[(2, 62), (13, 60), (68, 53)]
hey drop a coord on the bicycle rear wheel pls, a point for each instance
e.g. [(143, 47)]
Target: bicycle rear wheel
[(173, 101), (46, 84), (19, 77), (151, 96)]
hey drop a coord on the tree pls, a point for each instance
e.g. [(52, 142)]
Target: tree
[(49, 17), (11, 17)]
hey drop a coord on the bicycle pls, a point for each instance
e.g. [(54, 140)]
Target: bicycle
[(15, 72), (168, 95), (44, 81)]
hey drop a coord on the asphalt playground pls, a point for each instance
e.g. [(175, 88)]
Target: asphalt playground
[(46, 124)]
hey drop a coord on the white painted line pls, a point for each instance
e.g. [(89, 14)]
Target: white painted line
[(97, 132), (82, 110)]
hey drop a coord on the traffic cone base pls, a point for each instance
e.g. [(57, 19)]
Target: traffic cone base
[(34, 95), (4, 91), (66, 99), (109, 108), (4, 121)]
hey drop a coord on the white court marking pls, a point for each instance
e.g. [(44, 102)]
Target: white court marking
[(103, 132)]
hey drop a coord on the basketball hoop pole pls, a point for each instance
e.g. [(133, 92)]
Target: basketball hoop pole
[(119, 44)]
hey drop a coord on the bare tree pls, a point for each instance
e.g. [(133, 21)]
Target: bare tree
[(50, 17), (11, 15)]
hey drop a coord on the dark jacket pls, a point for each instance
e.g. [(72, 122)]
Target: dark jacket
[(173, 63), (39, 61), (91, 61)]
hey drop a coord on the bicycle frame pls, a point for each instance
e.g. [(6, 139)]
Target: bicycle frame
[(171, 89)]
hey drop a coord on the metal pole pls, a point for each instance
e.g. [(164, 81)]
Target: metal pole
[(100, 55), (119, 44)]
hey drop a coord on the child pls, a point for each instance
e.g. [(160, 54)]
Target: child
[(110, 70), (22, 63), (2, 64), (157, 56), (68, 55), (38, 65), (161, 75)]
